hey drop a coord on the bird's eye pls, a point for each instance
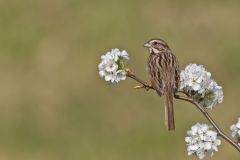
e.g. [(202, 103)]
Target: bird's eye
[(155, 43)]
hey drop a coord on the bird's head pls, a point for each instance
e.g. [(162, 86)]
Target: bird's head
[(156, 46)]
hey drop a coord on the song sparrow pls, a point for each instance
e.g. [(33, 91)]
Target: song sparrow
[(163, 69)]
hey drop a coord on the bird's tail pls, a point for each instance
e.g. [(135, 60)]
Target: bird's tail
[(169, 114)]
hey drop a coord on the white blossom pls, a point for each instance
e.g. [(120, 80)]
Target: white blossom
[(111, 67), (197, 82), (235, 128), (214, 95), (201, 141), (194, 77), (120, 54)]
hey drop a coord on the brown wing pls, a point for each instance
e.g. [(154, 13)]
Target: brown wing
[(176, 71), (172, 77), (155, 72)]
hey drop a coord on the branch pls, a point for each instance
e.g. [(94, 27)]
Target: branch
[(190, 100)]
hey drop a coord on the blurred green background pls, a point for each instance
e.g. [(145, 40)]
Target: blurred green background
[(54, 106)]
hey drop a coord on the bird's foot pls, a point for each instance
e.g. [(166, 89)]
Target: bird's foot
[(142, 86), (176, 96)]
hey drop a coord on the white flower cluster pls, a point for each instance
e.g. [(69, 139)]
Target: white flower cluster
[(202, 141), (235, 128), (112, 67), (197, 82)]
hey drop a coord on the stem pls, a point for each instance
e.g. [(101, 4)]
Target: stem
[(199, 107)]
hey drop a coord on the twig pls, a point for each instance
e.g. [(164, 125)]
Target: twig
[(133, 76), (189, 99), (209, 118)]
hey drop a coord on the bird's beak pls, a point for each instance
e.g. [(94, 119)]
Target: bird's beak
[(147, 45)]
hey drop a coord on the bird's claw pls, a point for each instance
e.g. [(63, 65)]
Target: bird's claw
[(138, 87), (141, 86), (176, 96)]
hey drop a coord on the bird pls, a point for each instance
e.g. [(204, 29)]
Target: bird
[(163, 69)]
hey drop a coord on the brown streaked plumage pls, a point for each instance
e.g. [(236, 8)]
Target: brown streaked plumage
[(163, 69)]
